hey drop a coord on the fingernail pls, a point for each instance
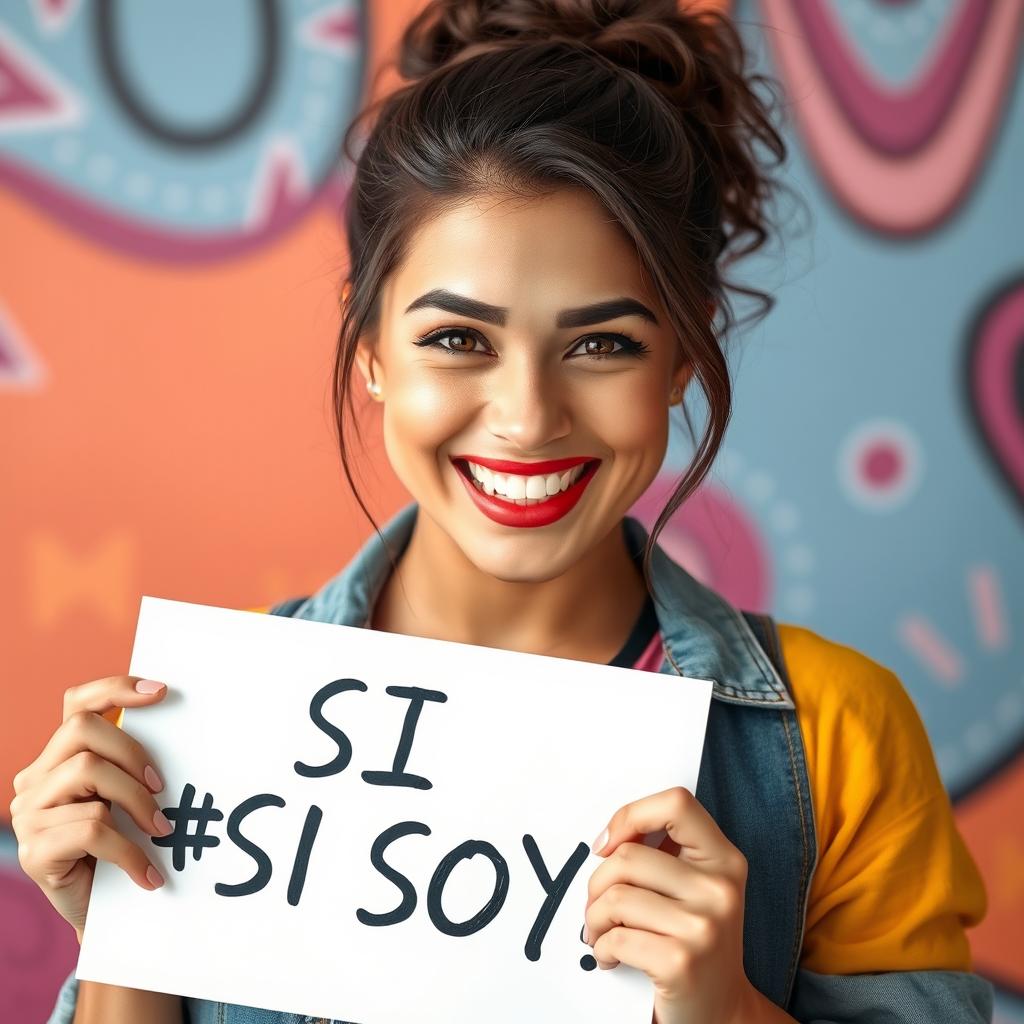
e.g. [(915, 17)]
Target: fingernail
[(152, 779), (163, 826), (148, 686), (600, 842), (586, 934), (606, 965), (154, 877)]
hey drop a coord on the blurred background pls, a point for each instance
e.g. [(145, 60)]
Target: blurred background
[(170, 255)]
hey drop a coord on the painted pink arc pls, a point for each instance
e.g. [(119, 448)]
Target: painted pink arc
[(896, 121), (994, 361), (915, 192)]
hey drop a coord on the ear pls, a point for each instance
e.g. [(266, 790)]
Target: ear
[(682, 370), (681, 377), (366, 360)]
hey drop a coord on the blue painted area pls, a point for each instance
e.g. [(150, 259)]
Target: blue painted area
[(871, 327), (190, 67)]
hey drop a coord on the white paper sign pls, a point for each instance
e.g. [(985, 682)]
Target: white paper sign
[(403, 825)]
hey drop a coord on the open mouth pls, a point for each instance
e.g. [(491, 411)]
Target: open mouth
[(521, 489), (526, 499)]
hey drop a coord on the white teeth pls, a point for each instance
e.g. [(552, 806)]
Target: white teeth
[(524, 490), (515, 486), (536, 487)]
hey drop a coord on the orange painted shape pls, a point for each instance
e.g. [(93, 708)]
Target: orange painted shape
[(992, 822), (98, 580)]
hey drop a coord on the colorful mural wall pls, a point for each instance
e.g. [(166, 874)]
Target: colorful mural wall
[(169, 259)]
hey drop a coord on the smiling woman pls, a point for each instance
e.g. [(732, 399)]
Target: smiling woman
[(523, 367), (539, 227)]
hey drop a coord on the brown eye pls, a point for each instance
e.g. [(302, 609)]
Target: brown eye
[(608, 346), (598, 346), (464, 341)]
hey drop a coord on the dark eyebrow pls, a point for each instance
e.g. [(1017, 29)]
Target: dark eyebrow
[(582, 316)]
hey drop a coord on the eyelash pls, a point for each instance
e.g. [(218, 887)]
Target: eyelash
[(631, 347)]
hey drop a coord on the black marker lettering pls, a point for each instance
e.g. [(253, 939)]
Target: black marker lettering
[(340, 762), (258, 854), (380, 844), (398, 775), (184, 836), (309, 830), (555, 890), (487, 913)]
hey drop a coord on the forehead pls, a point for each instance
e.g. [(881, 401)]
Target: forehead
[(539, 253)]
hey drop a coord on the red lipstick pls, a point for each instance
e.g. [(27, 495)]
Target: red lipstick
[(542, 513)]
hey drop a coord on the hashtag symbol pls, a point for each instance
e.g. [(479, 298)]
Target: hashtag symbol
[(182, 816)]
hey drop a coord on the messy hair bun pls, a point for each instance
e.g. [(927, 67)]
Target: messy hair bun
[(694, 60), (643, 35), (649, 106)]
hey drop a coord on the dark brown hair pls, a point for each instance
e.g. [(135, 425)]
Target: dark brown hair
[(649, 107)]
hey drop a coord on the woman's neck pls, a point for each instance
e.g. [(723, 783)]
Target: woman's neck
[(585, 614)]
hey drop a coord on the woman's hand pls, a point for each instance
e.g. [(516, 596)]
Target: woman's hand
[(678, 917), (61, 809)]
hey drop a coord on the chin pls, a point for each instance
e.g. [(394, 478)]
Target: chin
[(520, 559)]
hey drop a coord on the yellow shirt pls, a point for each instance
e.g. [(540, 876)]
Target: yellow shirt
[(895, 887)]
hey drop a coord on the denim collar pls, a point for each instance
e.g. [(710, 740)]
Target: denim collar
[(703, 635)]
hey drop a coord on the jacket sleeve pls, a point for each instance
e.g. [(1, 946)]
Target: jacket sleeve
[(892, 997), (67, 999)]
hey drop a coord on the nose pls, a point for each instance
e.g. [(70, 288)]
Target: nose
[(527, 406)]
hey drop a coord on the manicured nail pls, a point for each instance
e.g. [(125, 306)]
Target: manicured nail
[(152, 779), (163, 826), (154, 877), (148, 686), (600, 842)]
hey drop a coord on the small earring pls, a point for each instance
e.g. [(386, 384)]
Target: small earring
[(373, 387)]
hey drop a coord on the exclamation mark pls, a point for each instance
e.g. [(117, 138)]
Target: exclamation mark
[(587, 961)]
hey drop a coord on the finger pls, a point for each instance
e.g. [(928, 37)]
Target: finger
[(638, 908), (85, 730), (86, 776), (48, 856), (634, 864), (687, 823), (38, 819), (104, 697), (111, 694), (43, 818), (661, 958)]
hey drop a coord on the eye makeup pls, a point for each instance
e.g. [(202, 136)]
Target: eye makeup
[(629, 345)]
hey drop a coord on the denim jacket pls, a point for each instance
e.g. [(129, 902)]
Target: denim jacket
[(753, 781)]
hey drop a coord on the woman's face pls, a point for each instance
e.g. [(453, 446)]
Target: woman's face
[(516, 372)]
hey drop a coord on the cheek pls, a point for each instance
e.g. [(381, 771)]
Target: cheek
[(631, 418), (421, 414)]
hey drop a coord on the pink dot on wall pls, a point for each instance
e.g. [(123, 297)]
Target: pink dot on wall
[(881, 464)]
